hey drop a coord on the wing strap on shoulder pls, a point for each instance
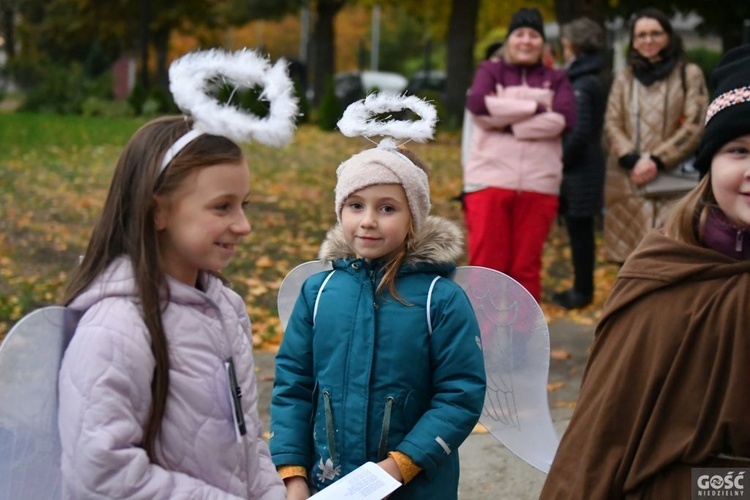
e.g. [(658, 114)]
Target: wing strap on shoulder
[(317, 298), (429, 301)]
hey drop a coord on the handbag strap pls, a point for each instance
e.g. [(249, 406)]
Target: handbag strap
[(682, 78), (634, 114)]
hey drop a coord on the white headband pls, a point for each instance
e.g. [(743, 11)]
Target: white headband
[(178, 146)]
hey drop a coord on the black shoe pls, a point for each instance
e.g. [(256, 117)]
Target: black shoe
[(571, 299)]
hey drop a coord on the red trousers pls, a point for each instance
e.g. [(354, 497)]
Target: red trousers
[(507, 230)]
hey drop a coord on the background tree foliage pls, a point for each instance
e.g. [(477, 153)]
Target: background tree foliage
[(415, 34), (56, 172), (67, 42), (567, 10)]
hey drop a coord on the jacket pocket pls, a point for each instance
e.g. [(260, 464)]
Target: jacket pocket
[(327, 466), (385, 429), (396, 422), (324, 430), (314, 399)]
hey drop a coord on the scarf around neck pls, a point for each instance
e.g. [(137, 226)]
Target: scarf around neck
[(648, 72)]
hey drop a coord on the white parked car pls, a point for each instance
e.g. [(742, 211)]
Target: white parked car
[(353, 85)]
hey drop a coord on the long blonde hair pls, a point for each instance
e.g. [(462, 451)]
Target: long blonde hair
[(397, 259), (687, 217)]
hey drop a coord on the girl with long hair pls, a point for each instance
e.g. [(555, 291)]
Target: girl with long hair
[(158, 396)]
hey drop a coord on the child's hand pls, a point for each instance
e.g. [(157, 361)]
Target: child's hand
[(389, 465), (296, 488)]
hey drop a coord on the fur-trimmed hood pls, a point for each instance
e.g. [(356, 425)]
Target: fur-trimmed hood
[(439, 242)]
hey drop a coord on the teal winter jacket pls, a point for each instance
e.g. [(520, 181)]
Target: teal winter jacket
[(360, 374)]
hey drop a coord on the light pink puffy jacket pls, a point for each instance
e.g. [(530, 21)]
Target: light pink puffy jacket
[(105, 395), (528, 157)]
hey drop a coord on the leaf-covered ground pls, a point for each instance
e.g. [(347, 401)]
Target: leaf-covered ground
[(54, 175)]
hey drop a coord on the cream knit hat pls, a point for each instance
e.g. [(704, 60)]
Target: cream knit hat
[(384, 165)]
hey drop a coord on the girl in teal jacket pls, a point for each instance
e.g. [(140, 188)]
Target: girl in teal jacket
[(381, 359)]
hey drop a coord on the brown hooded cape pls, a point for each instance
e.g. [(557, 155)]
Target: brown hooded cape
[(667, 384)]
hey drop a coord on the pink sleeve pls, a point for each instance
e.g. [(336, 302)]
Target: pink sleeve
[(506, 111), (540, 126)]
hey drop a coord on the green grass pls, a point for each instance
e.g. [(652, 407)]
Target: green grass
[(54, 176), (55, 173), (28, 131)]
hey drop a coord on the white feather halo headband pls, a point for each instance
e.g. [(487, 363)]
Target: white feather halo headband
[(190, 79), (359, 117)]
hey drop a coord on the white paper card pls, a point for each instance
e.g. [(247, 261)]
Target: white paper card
[(368, 482)]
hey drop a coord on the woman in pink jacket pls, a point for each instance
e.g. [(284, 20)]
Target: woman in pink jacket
[(519, 108)]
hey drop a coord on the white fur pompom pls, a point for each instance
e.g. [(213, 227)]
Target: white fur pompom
[(190, 78), (359, 117)]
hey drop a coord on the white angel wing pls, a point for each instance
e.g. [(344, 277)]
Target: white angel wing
[(515, 340), (292, 285), (30, 359)]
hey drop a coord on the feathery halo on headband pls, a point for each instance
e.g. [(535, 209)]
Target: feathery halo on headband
[(385, 164), (359, 117), (191, 76)]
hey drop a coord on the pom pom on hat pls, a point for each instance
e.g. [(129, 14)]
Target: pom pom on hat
[(527, 18), (728, 115)]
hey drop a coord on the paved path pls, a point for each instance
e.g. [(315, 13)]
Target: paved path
[(488, 469)]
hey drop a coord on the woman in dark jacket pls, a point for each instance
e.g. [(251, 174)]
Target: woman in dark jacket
[(582, 190)]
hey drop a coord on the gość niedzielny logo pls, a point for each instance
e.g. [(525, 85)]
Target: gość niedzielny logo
[(725, 484)]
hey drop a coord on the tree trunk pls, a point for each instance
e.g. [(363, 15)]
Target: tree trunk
[(324, 49), (161, 45), (9, 29), (145, 18), (462, 32), (567, 10)]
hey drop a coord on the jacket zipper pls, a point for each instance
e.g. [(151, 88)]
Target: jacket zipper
[(738, 240), (371, 274)]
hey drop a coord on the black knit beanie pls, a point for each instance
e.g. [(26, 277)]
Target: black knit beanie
[(728, 115), (527, 18)]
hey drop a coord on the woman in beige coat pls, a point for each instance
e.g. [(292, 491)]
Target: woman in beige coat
[(653, 122)]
